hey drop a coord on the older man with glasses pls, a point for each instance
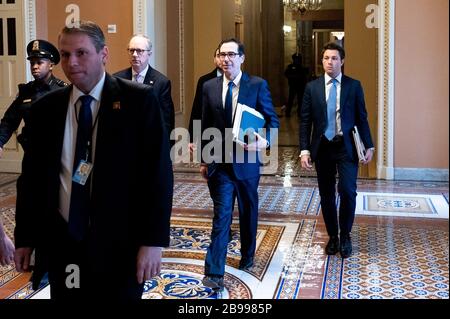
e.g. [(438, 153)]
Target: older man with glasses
[(139, 51)]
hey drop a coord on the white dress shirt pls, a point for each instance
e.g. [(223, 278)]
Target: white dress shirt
[(237, 84), (140, 76), (328, 84), (69, 143)]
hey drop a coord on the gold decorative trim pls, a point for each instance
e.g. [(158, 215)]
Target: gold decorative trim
[(182, 57), (386, 68), (140, 23)]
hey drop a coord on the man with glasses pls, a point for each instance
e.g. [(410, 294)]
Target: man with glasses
[(139, 51), (233, 176)]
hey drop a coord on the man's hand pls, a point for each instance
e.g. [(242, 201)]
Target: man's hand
[(192, 148), (259, 144), (6, 250), (204, 171), (306, 162), (369, 156), (148, 263), (22, 258)]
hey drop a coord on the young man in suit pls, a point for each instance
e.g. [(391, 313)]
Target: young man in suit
[(139, 51), (98, 233), (231, 176), (332, 105)]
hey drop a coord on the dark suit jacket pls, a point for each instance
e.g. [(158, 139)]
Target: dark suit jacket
[(314, 115), (132, 185), (196, 112), (162, 88), (253, 92)]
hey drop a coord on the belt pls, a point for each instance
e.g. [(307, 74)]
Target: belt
[(337, 139)]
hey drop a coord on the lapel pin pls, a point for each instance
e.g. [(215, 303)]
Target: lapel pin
[(116, 106), (151, 82)]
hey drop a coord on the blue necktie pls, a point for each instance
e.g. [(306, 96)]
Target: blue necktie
[(330, 132), (229, 106), (80, 196)]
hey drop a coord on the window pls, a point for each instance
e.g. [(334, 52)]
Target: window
[(11, 29)]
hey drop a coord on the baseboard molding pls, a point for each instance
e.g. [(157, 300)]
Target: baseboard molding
[(10, 166), (421, 174)]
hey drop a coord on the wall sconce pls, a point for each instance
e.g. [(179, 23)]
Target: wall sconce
[(287, 29)]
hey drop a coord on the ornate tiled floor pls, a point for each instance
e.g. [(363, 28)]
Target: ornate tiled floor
[(400, 250)]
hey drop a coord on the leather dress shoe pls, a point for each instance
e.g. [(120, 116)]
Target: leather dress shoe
[(333, 246), (213, 282), (346, 246), (246, 263)]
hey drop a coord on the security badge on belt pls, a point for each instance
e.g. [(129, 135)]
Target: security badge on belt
[(82, 172)]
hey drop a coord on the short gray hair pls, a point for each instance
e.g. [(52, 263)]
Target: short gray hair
[(149, 43)]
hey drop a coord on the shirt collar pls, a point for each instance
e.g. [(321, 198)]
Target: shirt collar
[(329, 78), (236, 81), (96, 92), (143, 73)]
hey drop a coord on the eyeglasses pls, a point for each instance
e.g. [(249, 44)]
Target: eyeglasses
[(230, 55), (138, 51)]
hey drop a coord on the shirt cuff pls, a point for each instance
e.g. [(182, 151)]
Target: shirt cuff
[(305, 152)]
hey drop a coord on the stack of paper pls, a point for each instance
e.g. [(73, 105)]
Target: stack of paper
[(246, 121), (360, 149)]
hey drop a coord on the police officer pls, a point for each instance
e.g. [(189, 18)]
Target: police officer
[(42, 56)]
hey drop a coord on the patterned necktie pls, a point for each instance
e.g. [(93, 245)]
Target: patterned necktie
[(330, 132), (136, 77), (80, 196), (229, 106)]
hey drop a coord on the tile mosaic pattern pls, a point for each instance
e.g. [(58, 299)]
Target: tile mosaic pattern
[(184, 281), (190, 240), (391, 263), (402, 205), (398, 258), (297, 258), (272, 199), (288, 164)]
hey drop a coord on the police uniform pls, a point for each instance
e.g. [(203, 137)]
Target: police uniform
[(28, 93)]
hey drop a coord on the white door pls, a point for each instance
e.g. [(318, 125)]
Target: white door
[(12, 72)]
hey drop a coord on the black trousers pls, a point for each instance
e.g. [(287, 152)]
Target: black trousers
[(332, 159), (73, 276)]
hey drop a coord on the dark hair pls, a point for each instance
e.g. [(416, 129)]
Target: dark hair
[(241, 48), (334, 46), (91, 29)]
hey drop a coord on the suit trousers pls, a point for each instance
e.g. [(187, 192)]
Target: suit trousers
[(333, 158), (224, 188), (111, 283)]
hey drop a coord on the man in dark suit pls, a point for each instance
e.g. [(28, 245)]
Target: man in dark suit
[(297, 76), (140, 50), (196, 112), (230, 175), (98, 232), (332, 105)]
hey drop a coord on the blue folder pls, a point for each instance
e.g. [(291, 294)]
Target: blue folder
[(246, 122)]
